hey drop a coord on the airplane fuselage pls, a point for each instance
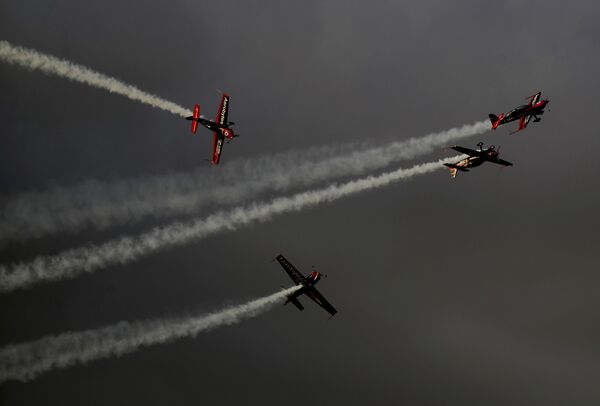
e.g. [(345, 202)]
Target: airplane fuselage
[(311, 281), (524, 110), (470, 162), (474, 161), (216, 127)]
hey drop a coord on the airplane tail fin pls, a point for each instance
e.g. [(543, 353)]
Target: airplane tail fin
[(495, 120), (194, 118)]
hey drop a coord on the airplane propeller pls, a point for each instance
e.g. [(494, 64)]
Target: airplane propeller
[(314, 269)]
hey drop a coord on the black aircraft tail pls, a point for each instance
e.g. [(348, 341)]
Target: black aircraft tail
[(495, 120)]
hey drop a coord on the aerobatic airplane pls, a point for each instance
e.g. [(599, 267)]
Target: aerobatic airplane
[(221, 127), (534, 108), (308, 286), (476, 158)]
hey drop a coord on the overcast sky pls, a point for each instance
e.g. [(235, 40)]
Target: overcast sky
[(478, 290)]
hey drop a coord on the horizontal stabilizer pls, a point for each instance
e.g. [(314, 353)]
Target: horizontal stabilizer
[(454, 166), (503, 162), (296, 303), (194, 118)]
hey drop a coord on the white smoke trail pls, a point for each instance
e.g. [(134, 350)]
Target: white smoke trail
[(72, 263), (102, 205), (25, 361), (34, 60)]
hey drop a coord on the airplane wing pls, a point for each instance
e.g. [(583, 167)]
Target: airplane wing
[(223, 111), (217, 147), (296, 276), (524, 121), (535, 98), (502, 162), (320, 300), (468, 151), (496, 160)]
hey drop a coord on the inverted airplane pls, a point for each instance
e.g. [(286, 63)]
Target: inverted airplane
[(534, 108), (475, 158), (221, 127), (308, 286)]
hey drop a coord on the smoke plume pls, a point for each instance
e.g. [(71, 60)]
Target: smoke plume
[(74, 262), (102, 205), (25, 361), (34, 60)]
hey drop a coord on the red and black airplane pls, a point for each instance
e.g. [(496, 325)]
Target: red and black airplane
[(475, 158), (308, 286), (221, 127), (534, 108)]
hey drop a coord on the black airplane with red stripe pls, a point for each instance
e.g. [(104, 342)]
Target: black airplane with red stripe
[(523, 113), (308, 286)]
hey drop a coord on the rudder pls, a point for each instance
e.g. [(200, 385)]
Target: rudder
[(495, 120)]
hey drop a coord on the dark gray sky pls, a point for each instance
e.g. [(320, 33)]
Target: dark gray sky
[(481, 290)]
